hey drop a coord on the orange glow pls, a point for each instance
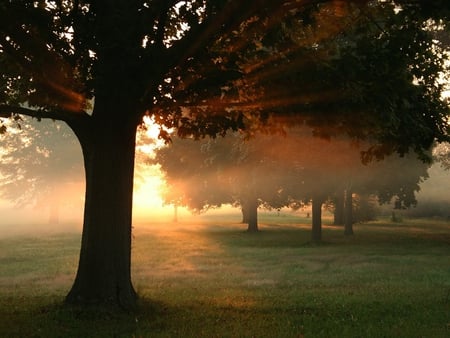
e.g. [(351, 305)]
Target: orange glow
[(147, 201), (148, 181)]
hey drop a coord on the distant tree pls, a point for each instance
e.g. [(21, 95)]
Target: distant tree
[(394, 180), (191, 179), (290, 170), (321, 170), (441, 154), (41, 167), (229, 170), (318, 168)]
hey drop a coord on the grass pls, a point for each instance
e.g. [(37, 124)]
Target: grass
[(215, 280)]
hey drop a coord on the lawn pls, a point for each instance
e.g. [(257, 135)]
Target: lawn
[(215, 280)]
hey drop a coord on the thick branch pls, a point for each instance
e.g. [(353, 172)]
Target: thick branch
[(78, 122), (7, 111)]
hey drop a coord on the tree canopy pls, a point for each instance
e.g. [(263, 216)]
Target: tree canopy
[(201, 72)]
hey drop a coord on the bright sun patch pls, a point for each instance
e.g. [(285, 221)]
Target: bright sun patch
[(148, 178)]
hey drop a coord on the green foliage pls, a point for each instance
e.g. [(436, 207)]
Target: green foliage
[(228, 170)]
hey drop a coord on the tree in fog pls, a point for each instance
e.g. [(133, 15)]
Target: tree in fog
[(191, 179), (204, 67), (315, 168), (41, 167), (441, 154), (229, 170), (395, 180), (318, 170), (274, 171)]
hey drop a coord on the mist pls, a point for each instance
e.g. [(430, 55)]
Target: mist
[(42, 183), (287, 171), (433, 199), (42, 178)]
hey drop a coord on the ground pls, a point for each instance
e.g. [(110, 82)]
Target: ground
[(214, 279)]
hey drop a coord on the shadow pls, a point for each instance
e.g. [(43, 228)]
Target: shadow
[(61, 320)]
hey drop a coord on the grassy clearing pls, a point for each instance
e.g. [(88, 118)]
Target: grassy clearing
[(215, 280)]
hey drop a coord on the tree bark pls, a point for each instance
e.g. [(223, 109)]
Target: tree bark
[(316, 234), (104, 275), (348, 214), (339, 208), (252, 214)]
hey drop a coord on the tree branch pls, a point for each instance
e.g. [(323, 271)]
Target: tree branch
[(7, 111)]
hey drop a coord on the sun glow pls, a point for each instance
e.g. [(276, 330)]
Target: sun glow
[(148, 180)]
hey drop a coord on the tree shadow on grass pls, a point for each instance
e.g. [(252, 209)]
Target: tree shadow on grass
[(57, 319), (192, 318)]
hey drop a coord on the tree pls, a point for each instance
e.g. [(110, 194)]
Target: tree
[(41, 167), (395, 179), (291, 171), (100, 66), (193, 179), (229, 170), (367, 72), (321, 170), (441, 154)]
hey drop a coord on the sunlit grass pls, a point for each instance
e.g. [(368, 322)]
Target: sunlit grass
[(216, 280)]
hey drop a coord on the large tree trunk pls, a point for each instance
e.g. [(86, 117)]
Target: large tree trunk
[(348, 225), (316, 234), (104, 275)]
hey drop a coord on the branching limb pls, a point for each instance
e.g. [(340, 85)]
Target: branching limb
[(7, 111)]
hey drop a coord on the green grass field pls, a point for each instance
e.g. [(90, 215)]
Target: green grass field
[(216, 280)]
